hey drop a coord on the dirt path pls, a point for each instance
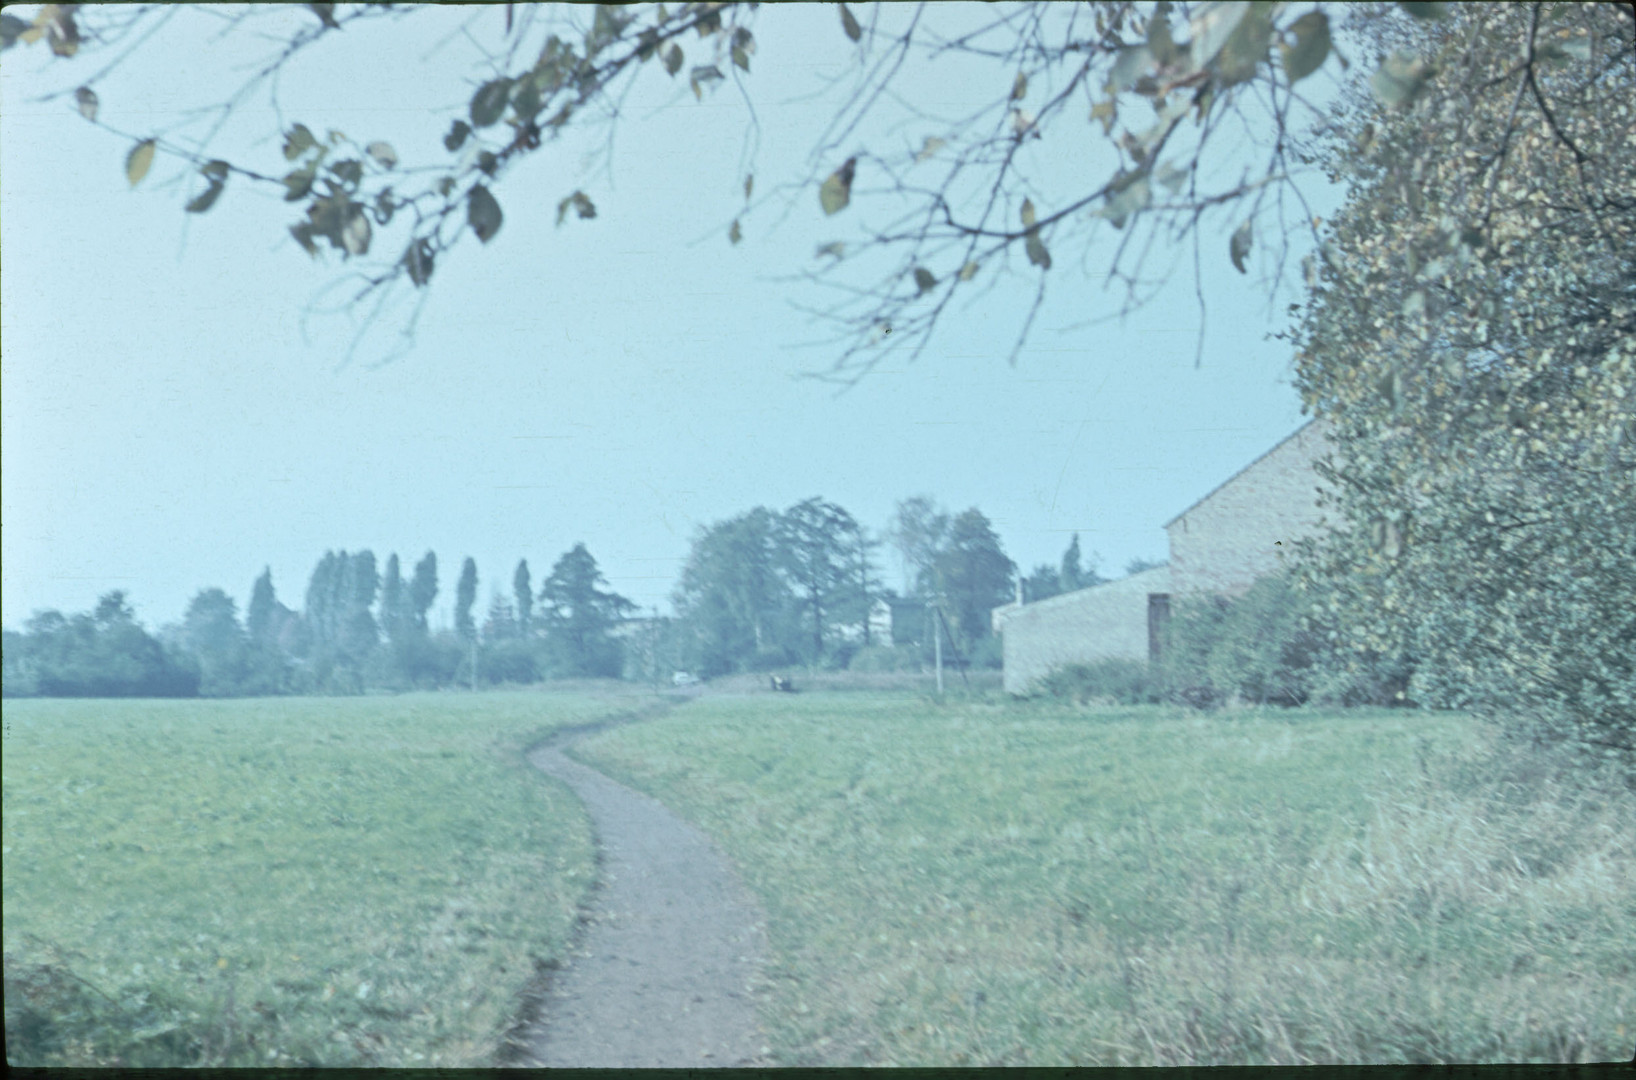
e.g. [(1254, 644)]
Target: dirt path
[(662, 974)]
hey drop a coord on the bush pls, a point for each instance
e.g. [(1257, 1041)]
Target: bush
[(1262, 648), (1105, 682), (1256, 648), (1270, 647), (987, 653), (103, 653), (514, 660)]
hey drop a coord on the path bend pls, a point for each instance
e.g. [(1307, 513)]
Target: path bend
[(664, 970)]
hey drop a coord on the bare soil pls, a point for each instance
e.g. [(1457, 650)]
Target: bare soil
[(669, 951)]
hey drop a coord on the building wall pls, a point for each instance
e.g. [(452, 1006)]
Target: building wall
[(1108, 621), (1240, 531), (1220, 545)]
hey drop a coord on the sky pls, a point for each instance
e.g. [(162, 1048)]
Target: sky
[(181, 403)]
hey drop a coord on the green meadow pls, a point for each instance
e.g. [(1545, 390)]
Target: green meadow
[(1005, 884), (375, 881), (336, 881)]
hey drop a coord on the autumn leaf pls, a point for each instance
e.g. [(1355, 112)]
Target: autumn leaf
[(836, 191), (139, 161)]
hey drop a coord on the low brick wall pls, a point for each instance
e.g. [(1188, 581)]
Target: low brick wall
[(1103, 622)]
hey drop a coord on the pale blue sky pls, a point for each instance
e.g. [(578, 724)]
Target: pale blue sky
[(167, 426)]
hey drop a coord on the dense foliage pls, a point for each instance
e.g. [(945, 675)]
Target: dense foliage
[(759, 591), (358, 630), (1471, 339), (579, 617), (1266, 647), (100, 653)]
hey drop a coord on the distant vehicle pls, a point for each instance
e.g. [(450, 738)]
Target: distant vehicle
[(782, 684), (683, 678)]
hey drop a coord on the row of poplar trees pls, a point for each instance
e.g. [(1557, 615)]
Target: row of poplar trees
[(363, 626)]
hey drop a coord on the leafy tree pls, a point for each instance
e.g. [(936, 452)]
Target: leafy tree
[(816, 544), (360, 635), (19, 669), (415, 659), (343, 632), (319, 610), (1042, 583), (1073, 575), (918, 529), (212, 635), (579, 617), (340, 593), (270, 628), (1139, 565), (1470, 340), (986, 199), (522, 588), (102, 653), (732, 602), (423, 590), (867, 586), (259, 619), (394, 599), (500, 624), (465, 595), (973, 575)]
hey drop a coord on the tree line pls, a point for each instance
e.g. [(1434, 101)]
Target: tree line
[(767, 589), (361, 627), (761, 590)]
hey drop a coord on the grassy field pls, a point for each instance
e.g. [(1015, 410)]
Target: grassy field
[(364, 881), (1027, 884)]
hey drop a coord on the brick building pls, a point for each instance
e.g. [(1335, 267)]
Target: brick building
[(1221, 544)]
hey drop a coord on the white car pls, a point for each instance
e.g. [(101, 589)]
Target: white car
[(683, 678)]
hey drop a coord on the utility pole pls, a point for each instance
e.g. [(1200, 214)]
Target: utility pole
[(653, 646), (937, 648), (944, 625)]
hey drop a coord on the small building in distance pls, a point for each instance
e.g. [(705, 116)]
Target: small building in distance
[(881, 628), (1220, 545)]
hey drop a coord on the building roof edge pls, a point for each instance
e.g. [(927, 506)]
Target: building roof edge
[(1201, 500)]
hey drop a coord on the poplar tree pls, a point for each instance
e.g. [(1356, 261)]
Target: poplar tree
[(522, 589), (423, 590), (465, 595), (1071, 577), (392, 599)]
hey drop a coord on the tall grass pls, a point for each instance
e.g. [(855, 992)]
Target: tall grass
[(366, 881), (978, 884)]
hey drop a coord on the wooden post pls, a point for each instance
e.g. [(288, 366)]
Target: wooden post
[(937, 640)]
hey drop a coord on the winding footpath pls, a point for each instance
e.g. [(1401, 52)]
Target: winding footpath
[(662, 975)]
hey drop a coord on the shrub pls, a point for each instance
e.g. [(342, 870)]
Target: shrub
[(1267, 647), (1115, 682), (1186, 673), (987, 653), (514, 660), (1270, 647)]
